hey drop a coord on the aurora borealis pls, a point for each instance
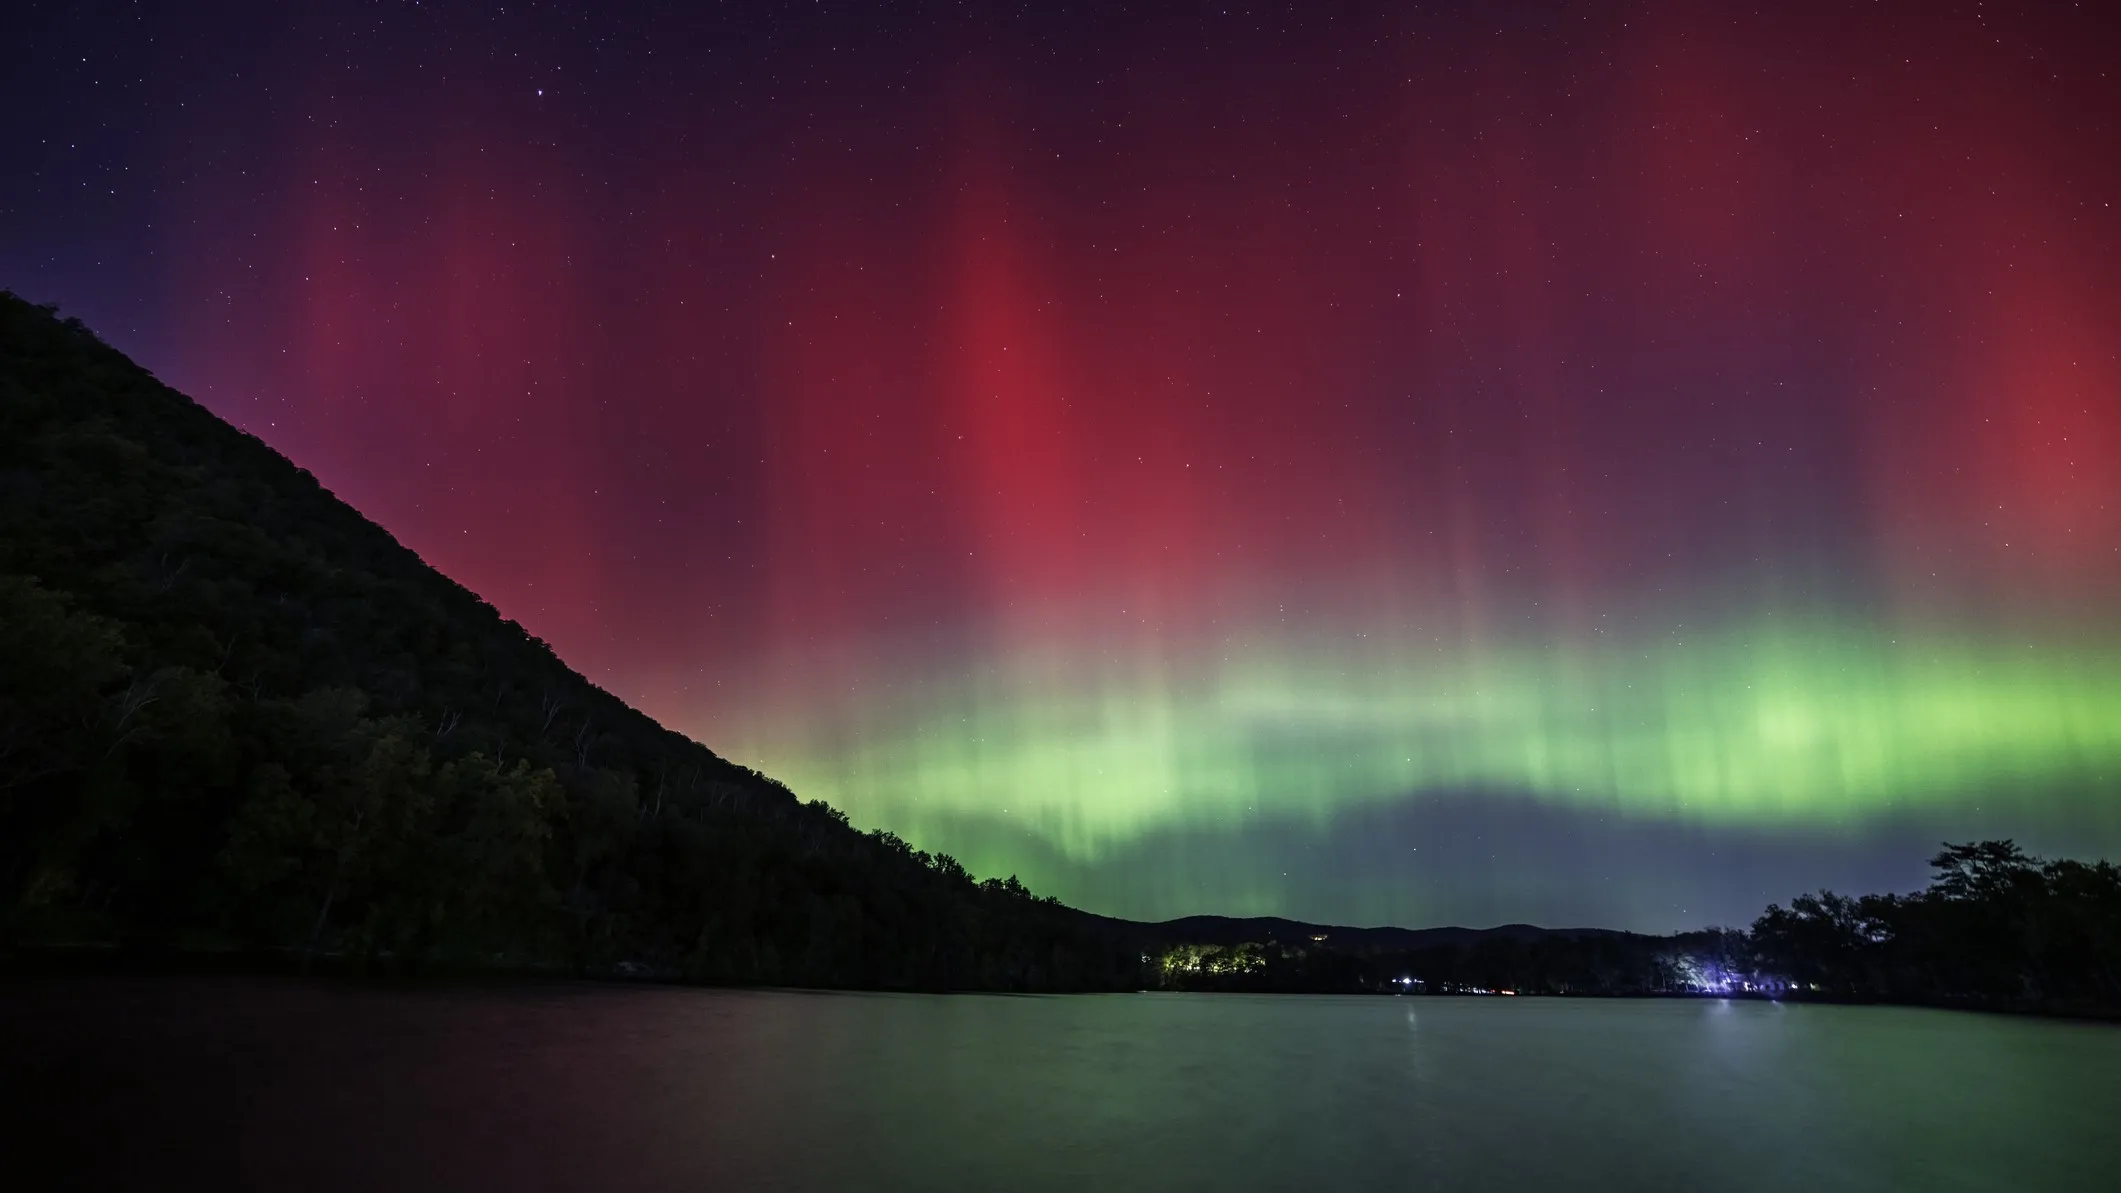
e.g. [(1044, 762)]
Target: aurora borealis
[(1367, 463)]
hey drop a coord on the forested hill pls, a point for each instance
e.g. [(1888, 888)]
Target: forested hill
[(1226, 930), (235, 713)]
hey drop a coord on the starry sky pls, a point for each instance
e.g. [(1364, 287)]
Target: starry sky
[(1414, 463)]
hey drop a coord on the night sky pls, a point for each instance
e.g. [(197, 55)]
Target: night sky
[(1597, 464)]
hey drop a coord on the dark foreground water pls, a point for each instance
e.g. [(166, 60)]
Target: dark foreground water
[(228, 1083)]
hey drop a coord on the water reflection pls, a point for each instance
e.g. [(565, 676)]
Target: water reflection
[(280, 1085)]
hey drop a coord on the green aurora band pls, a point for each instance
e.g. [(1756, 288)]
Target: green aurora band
[(1824, 725)]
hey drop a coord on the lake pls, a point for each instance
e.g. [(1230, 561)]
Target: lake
[(287, 1084)]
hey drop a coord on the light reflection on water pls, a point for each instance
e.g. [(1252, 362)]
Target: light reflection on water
[(287, 1085)]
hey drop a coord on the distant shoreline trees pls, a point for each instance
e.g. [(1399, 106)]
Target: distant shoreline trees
[(1995, 929)]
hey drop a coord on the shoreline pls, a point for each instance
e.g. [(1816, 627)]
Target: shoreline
[(109, 961)]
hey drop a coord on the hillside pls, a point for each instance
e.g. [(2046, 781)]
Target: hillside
[(1228, 930), (234, 713)]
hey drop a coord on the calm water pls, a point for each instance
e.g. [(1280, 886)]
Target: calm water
[(287, 1085)]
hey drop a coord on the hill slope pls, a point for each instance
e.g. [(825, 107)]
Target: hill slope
[(235, 712), (1227, 931)]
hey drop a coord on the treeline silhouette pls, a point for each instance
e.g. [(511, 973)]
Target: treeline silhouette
[(1994, 929), (235, 714)]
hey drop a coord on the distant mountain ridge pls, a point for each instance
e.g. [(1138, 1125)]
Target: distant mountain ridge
[(1229, 930)]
